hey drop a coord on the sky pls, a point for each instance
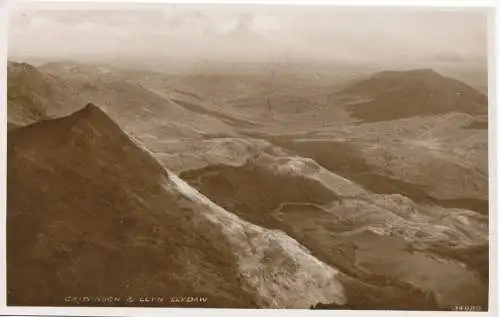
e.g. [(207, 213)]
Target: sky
[(253, 32)]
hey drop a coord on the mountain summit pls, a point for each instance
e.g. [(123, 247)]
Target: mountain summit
[(393, 95), (104, 217)]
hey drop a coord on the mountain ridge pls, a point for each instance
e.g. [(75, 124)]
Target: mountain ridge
[(107, 207), (393, 95)]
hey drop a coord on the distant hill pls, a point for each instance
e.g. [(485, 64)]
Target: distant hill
[(24, 105), (39, 93), (80, 70), (33, 95), (390, 95)]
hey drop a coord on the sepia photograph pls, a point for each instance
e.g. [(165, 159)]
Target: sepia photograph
[(248, 156)]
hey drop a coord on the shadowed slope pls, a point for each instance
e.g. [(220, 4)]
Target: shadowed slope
[(278, 198), (104, 217), (347, 159), (254, 193), (100, 221), (402, 94)]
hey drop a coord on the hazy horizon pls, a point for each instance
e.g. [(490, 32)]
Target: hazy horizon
[(240, 33), (248, 157)]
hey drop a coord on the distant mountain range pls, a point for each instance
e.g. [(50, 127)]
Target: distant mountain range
[(383, 96), (57, 89)]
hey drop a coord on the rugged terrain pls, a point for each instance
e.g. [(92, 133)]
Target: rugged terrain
[(106, 209), (272, 190)]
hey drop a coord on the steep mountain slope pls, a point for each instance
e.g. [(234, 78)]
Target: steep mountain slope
[(386, 243), (391, 95), (104, 217)]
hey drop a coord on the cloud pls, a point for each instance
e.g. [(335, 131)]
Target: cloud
[(324, 32)]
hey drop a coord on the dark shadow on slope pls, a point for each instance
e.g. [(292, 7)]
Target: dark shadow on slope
[(254, 193), (346, 160), (475, 257), (231, 120), (362, 295), (187, 93), (478, 125), (387, 107)]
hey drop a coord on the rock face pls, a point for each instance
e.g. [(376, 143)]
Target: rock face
[(94, 214), (392, 95)]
